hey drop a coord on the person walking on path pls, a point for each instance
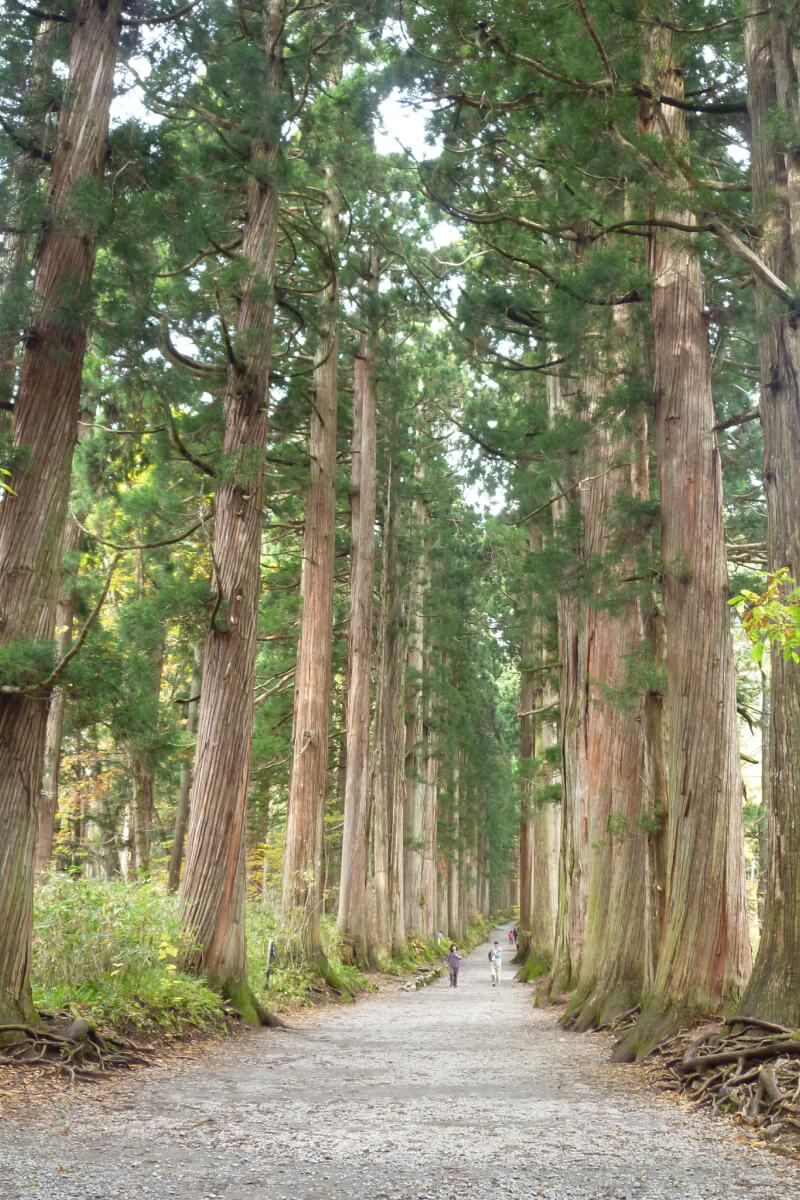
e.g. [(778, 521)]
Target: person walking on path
[(453, 963), (495, 963)]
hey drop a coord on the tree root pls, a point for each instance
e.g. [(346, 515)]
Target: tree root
[(76, 1050), (746, 1068)]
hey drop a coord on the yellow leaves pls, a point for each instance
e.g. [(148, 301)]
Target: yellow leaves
[(168, 955), (772, 616)]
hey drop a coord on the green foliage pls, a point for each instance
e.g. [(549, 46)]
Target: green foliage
[(755, 820), (107, 950), (292, 980), (642, 675), (772, 616), (24, 664)]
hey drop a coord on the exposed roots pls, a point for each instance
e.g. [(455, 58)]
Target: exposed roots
[(75, 1050), (746, 1068)]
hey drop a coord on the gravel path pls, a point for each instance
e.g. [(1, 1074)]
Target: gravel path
[(440, 1094)]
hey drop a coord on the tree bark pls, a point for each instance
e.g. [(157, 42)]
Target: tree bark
[(538, 861), (766, 788), (546, 838), (140, 752), (45, 423), (388, 761), (65, 616), (185, 785), (455, 927), (530, 692), (471, 905), (615, 969), (355, 843), (574, 859), (772, 54), (415, 786), (25, 173), (430, 880), (213, 889), (705, 951), (302, 864)]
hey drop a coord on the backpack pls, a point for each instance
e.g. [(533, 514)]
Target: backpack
[(491, 952)]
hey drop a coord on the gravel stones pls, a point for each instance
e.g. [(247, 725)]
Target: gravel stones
[(438, 1094)]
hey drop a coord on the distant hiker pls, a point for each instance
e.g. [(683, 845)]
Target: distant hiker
[(453, 963), (495, 963), (511, 937), (515, 931)]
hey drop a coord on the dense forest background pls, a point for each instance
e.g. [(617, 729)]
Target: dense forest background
[(370, 520)]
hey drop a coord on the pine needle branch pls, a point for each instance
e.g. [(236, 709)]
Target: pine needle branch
[(44, 685), (572, 487)]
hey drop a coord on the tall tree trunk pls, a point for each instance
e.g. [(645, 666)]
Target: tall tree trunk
[(389, 753), (574, 858), (140, 752), (128, 856), (705, 951), (546, 841), (355, 858), (65, 616), (213, 889), (109, 852), (143, 806), (482, 853), (414, 820), (25, 172), (772, 47), (470, 872), (614, 970), (302, 861), (766, 788), (45, 423), (538, 860), (430, 880), (442, 873), (185, 785), (454, 920), (530, 693)]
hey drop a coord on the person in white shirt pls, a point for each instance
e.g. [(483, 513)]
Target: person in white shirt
[(495, 963)]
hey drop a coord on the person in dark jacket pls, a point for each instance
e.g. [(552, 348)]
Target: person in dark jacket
[(453, 963)]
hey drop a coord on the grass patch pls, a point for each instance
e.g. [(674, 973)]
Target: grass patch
[(293, 981), (106, 950)]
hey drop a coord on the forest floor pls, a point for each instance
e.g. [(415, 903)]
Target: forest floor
[(437, 1094)]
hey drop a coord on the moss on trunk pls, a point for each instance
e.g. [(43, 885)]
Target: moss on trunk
[(533, 966), (247, 1004)]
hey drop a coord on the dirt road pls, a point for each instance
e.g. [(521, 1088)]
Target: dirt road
[(440, 1094)]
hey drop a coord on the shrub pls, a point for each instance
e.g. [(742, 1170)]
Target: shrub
[(109, 949)]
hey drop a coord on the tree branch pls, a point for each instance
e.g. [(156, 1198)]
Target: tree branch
[(590, 29), (534, 712), (31, 147), (169, 541), (194, 365), (566, 491), (759, 268), (753, 415), (183, 449), (170, 16)]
